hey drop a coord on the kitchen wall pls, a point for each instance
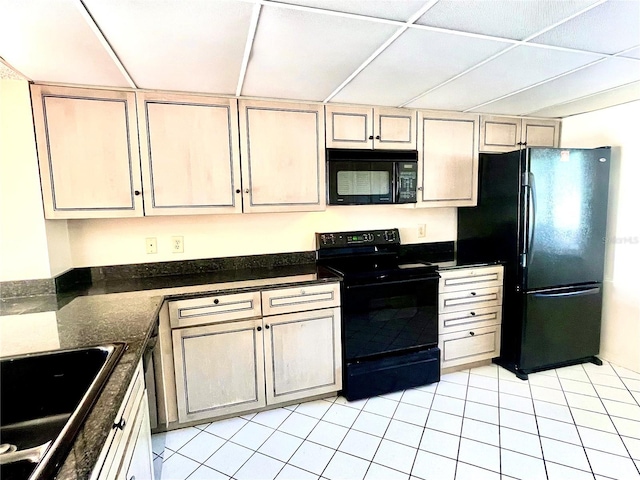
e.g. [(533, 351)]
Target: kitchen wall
[(118, 241), (618, 127)]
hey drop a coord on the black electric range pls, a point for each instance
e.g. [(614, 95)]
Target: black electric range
[(389, 312)]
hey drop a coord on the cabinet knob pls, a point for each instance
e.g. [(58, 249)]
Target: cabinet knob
[(246, 190), (237, 190), (121, 424), (136, 192), (377, 137), (473, 294), (370, 137), (473, 314), (420, 189), (472, 333), (267, 327), (216, 301), (259, 329)]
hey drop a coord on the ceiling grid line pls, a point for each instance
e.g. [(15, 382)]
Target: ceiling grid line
[(382, 48), (253, 27), (84, 11)]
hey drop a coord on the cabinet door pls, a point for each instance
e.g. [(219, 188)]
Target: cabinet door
[(283, 156), (88, 152), (190, 154), (448, 159), (500, 134), (219, 369), (138, 460), (394, 129), (349, 127), (540, 133), (303, 354)]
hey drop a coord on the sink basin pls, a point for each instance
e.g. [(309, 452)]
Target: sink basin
[(44, 398)]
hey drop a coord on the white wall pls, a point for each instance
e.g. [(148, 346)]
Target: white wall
[(23, 240), (120, 241), (618, 127)]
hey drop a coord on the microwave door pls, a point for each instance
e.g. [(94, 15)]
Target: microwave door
[(360, 182)]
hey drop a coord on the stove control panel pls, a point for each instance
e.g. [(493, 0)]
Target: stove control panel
[(365, 237)]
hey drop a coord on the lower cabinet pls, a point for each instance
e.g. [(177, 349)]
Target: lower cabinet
[(470, 314), (287, 350), (126, 454)]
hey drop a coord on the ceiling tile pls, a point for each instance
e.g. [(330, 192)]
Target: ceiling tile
[(518, 68), (609, 98), (417, 61), (309, 61), (387, 9), (501, 18), (611, 27), (51, 41), (633, 53), (607, 74), (191, 45)]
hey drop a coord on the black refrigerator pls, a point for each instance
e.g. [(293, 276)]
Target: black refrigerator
[(542, 212)]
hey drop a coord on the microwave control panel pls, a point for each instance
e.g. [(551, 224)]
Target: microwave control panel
[(368, 237)]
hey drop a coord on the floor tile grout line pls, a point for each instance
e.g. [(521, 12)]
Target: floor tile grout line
[(584, 449), (533, 404), (455, 471), (433, 396), (625, 385)]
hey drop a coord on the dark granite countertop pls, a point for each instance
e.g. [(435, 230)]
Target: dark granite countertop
[(120, 310)]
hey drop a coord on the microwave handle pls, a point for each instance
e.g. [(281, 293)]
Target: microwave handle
[(396, 182)]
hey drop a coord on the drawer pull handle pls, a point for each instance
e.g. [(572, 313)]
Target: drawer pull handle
[(267, 327), (121, 424), (216, 301), (472, 333), (473, 314), (473, 294), (259, 329)]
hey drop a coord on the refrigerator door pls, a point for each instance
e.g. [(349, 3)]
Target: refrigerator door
[(565, 216), (560, 325)]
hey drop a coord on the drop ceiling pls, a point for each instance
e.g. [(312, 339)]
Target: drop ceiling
[(550, 58)]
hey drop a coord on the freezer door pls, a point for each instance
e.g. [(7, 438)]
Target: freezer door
[(565, 216), (560, 325)]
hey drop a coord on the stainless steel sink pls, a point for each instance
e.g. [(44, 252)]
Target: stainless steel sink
[(44, 398)]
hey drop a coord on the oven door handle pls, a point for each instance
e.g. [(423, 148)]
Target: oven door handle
[(430, 278)]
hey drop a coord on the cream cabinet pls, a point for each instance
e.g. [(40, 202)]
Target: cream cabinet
[(190, 154), (239, 352), (303, 348), (87, 142), (283, 156), (127, 451), (448, 159), (470, 314), (371, 127), (505, 134)]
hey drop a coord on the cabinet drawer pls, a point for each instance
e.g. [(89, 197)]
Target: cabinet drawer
[(214, 309), (466, 319), (469, 345), (470, 299), (469, 278), (298, 299)]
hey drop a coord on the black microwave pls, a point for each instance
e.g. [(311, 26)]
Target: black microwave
[(371, 177)]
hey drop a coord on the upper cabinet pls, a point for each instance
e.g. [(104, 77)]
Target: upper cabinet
[(505, 134), (371, 127), (87, 144), (190, 154), (448, 159), (283, 156)]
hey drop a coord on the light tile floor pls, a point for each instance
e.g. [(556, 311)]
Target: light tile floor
[(573, 423)]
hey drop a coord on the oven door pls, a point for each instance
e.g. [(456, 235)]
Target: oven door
[(360, 182), (385, 317)]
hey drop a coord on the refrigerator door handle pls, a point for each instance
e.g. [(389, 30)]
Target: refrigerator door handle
[(532, 215), (571, 293)]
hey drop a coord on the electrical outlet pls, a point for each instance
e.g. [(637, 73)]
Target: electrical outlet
[(177, 244), (152, 245), (422, 230)]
